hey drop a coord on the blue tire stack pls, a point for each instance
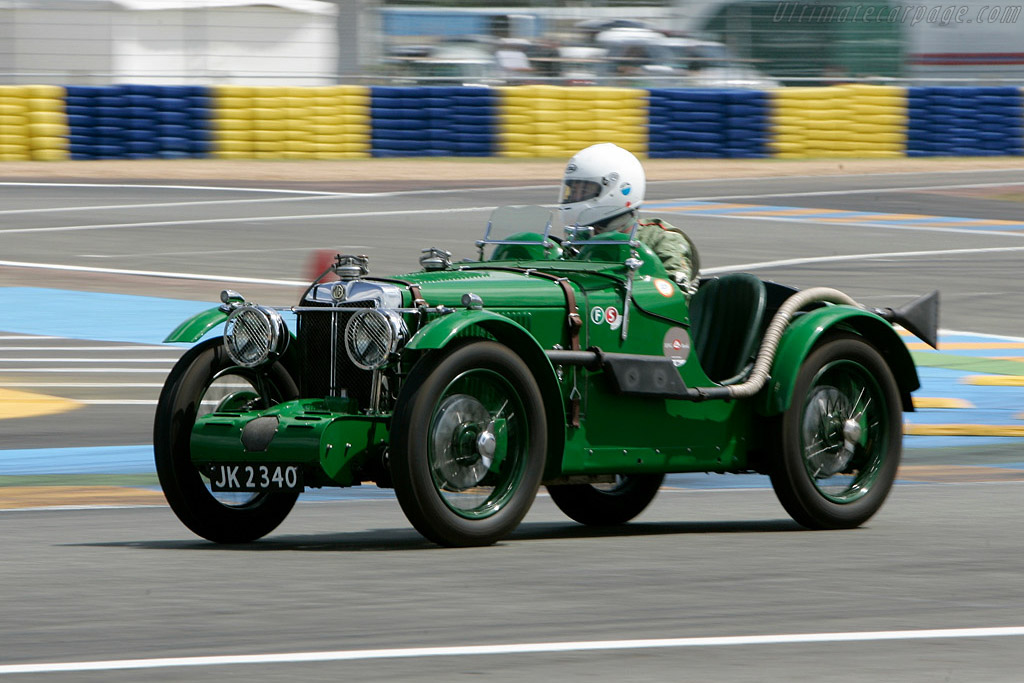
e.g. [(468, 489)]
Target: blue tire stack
[(138, 121), (470, 127), (432, 121), (686, 123), (746, 124), (399, 122), (95, 122), (81, 113), (964, 121)]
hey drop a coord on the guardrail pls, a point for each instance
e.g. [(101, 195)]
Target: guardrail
[(45, 122)]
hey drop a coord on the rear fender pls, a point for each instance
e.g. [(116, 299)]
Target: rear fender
[(443, 331), (809, 329)]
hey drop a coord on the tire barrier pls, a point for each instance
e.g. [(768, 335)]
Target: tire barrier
[(947, 121), (433, 121), (138, 121), (558, 121), (866, 121), (33, 123), (282, 122), (47, 122), (707, 123)]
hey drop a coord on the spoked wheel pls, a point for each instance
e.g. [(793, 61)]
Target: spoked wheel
[(607, 504), (205, 380), (468, 443), (840, 440)]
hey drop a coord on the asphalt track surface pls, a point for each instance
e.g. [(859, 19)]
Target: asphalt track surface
[(708, 585)]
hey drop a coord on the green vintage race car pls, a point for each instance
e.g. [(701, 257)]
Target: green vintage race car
[(575, 363)]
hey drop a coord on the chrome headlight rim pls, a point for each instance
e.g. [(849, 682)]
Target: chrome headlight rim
[(372, 336), (259, 325)]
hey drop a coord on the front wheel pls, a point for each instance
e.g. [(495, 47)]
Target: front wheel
[(607, 504), (839, 442), (469, 437), (205, 380)]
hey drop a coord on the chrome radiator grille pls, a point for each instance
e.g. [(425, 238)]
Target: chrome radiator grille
[(326, 368)]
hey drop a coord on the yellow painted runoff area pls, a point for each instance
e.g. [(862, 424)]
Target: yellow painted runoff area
[(33, 123), (962, 430), (558, 121), (19, 497), (853, 120), (24, 404), (283, 122), (994, 380), (957, 473), (941, 403)]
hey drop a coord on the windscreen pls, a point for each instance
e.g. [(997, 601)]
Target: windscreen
[(513, 221)]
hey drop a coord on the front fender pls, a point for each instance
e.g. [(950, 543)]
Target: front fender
[(439, 333), (804, 333), (193, 329)]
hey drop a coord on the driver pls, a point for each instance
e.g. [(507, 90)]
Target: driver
[(611, 181)]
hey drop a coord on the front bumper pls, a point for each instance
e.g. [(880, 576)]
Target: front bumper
[(330, 444)]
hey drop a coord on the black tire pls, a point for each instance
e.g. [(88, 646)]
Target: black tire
[(607, 504), (454, 405), (839, 443), (201, 377)]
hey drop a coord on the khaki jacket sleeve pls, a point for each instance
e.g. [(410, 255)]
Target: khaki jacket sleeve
[(677, 253)]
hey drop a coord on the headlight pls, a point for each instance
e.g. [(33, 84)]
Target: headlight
[(372, 335), (254, 334)]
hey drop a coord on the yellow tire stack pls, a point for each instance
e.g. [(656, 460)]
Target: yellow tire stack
[(262, 122), (33, 123), (839, 121), (555, 121)]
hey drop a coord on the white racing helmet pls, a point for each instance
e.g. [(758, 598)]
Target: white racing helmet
[(605, 178)]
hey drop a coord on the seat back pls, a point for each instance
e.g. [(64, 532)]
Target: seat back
[(726, 317)]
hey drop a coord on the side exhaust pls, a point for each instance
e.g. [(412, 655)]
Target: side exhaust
[(920, 317)]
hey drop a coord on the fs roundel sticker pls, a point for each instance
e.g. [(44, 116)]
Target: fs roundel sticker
[(664, 287), (612, 317), (597, 315)]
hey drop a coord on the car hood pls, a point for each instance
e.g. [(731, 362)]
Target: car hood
[(497, 288)]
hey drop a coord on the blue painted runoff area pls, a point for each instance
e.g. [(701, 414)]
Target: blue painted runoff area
[(92, 460), (92, 315), (148, 320)]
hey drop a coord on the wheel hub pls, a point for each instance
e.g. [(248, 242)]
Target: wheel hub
[(463, 443), (831, 432)]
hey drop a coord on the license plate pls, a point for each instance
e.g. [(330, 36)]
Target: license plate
[(255, 477)]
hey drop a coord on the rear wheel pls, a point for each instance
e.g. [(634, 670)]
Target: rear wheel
[(607, 504), (468, 442), (205, 380), (840, 440)]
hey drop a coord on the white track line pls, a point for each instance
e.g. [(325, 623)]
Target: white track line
[(81, 385), (154, 273), (212, 188), (163, 205), (244, 219), (708, 271), (865, 224), (152, 371), (364, 214), (59, 359), (82, 348), (762, 265), (513, 649), (821, 193)]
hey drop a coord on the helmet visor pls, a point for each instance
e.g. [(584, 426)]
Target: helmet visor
[(579, 190)]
